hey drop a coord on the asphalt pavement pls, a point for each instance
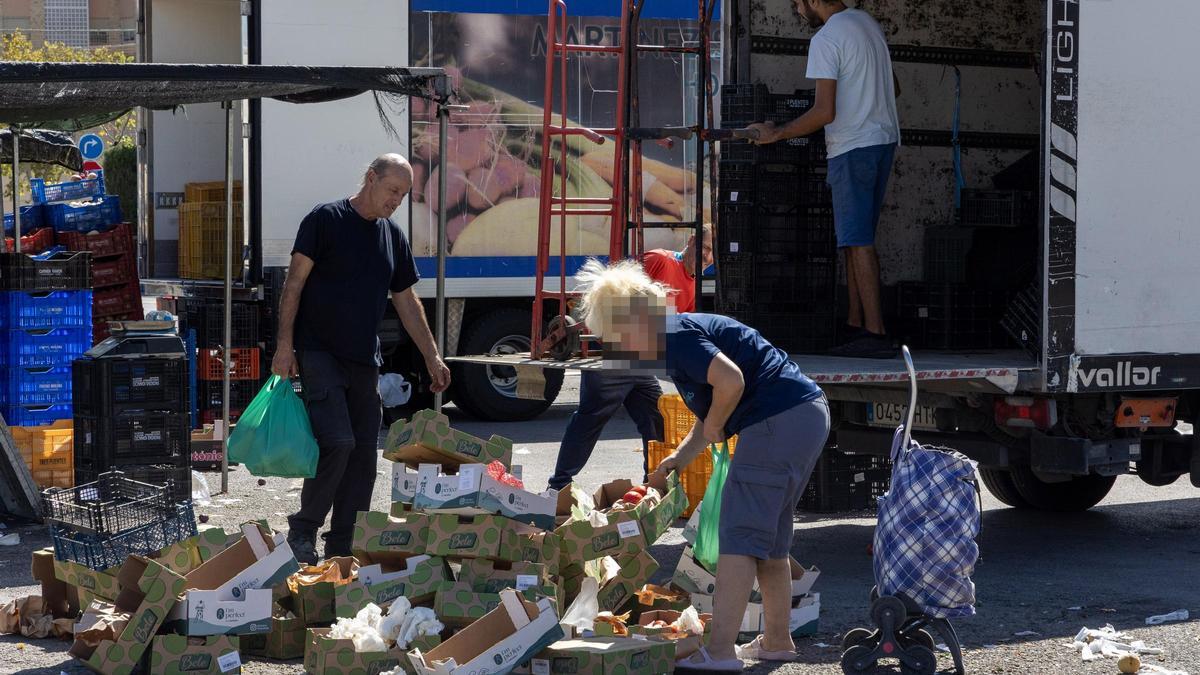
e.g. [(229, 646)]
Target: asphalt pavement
[(1040, 577)]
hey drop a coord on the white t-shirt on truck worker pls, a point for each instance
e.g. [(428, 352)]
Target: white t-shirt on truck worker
[(851, 49)]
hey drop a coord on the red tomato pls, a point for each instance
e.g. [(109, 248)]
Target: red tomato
[(631, 497), (640, 489)]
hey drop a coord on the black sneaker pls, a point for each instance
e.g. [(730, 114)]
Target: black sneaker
[(869, 346), (304, 546), (848, 333)]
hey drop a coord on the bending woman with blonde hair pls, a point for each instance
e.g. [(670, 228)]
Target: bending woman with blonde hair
[(736, 383)]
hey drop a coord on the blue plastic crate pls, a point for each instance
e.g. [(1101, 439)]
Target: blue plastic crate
[(57, 192), (102, 551), (32, 217), (36, 415), (102, 214), (46, 385), (43, 346), (45, 309)]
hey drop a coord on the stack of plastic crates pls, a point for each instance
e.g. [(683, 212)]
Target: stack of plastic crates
[(244, 356), (677, 422), (776, 250), (114, 275), (45, 323), (202, 229), (77, 206), (99, 524), (132, 412), (845, 481)]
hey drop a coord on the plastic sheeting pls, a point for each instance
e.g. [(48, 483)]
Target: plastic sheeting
[(42, 146)]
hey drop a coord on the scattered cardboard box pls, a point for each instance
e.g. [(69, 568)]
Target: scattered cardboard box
[(509, 635), (692, 577), (417, 578), (232, 594), (605, 656), (404, 483), (628, 531), (458, 605), (286, 639), (62, 600), (685, 646), (400, 510), (324, 655), (180, 655), (489, 537), (91, 584), (468, 489), (624, 576), (428, 438), (184, 556), (489, 576), (314, 603), (378, 535), (803, 622), (148, 592)]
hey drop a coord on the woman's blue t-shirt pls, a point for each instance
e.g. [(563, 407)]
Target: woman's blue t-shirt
[(773, 382)]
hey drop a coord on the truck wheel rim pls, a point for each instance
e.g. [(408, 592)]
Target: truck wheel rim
[(504, 378)]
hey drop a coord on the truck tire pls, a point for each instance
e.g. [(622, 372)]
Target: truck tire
[(1000, 484), (489, 392), (1078, 494)]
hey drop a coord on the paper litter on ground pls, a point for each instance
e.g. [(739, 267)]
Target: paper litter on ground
[(1177, 615), (1108, 643)]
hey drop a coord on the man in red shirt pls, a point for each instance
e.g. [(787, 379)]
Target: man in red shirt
[(602, 392)]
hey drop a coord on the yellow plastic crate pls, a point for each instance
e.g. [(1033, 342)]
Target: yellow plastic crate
[(49, 452), (678, 420), (694, 478), (210, 191), (202, 240)]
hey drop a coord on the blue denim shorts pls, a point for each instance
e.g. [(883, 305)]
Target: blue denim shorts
[(858, 180), (767, 477)]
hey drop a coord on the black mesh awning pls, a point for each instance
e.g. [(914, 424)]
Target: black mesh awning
[(42, 146), (40, 94)]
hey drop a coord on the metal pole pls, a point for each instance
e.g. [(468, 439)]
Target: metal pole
[(16, 143), (226, 355), (440, 330)]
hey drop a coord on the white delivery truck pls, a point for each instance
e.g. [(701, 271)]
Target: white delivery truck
[(297, 156), (1111, 357)]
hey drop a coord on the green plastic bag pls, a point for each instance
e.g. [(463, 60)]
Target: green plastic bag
[(273, 436), (708, 545)]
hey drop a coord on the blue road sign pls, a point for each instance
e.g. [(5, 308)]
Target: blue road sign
[(91, 146)]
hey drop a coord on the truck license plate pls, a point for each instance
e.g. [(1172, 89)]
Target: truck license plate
[(895, 414)]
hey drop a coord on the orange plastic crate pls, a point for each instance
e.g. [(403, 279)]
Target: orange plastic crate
[(678, 420), (202, 240), (49, 452), (694, 478), (210, 365), (210, 191)]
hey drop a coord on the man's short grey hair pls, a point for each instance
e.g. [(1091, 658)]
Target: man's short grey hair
[(388, 163)]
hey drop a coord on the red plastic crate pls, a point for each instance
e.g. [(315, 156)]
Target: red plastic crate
[(114, 271), (36, 242), (117, 241), (117, 301), (210, 415), (210, 365)]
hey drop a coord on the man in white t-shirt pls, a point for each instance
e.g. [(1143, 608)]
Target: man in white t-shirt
[(856, 105)]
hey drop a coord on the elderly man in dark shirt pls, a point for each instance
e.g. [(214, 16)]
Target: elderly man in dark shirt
[(347, 257)]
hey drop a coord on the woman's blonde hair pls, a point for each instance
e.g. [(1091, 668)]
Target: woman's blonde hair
[(605, 289)]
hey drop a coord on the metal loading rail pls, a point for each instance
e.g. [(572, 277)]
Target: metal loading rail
[(561, 338)]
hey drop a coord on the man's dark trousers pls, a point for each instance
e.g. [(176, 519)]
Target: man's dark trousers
[(600, 394), (342, 398)]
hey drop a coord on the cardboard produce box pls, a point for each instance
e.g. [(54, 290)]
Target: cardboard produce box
[(400, 510), (469, 490), (324, 655), (285, 640), (627, 532), (428, 438), (233, 593), (148, 592), (91, 584), (458, 605), (62, 599), (489, 537), (489, 576), (692, 577), (623, 578), (180, 655), (314, 603), (507, 636), (605, 656), (804, 619), (404, 483), (417, 579), (378, 535), (184, 556)]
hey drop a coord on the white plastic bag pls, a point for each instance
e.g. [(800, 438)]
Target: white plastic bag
[(394, 390), (581, 615), (200, 493)]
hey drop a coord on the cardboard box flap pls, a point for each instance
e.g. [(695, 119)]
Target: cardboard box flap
[(428, 438), (255, 561), (505, 637), (380, 573)]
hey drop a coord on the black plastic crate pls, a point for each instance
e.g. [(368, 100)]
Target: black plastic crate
[(803, 233), (946, 253), (796, 333), (1023, 319), (64, 271), (132, 438), (951, 316), (743, 104), (108, 504), (846, 482), (805, 150), (735, 284), (1008, 208), (175, 478), (208, 320), (109, 385), (101, 552), (241, 392)]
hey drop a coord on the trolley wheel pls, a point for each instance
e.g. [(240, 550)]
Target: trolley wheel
[(919, 637), (569, 344), (858, 659), (918, 660), (855, 637), (889, 609)]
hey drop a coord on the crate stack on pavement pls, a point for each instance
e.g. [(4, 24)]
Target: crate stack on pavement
[(45, 323), (117, 294), (131, 412), (204, 319), (60, 206), (202, 229), (776, 250)]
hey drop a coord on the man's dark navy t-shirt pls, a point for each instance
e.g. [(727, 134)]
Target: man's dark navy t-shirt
[(774, 383), (355, 263)]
